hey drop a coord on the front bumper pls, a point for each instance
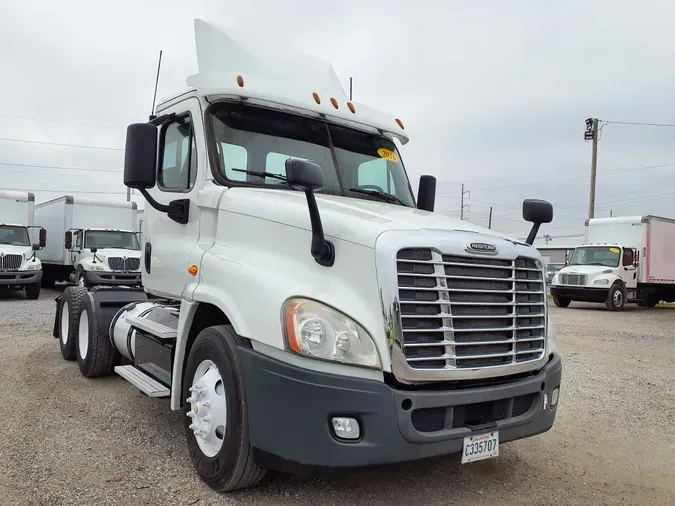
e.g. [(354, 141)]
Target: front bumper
[(20, 277), (290, 410), (580, 293), (116, 278)]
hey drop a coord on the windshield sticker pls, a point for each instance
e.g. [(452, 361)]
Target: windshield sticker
[(387, 155), (614, 250)]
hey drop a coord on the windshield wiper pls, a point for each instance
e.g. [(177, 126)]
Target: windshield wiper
[(263, 174), (388, 197)]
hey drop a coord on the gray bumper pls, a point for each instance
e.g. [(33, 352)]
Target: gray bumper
[(20, 278), (290, 410), (114, 278)]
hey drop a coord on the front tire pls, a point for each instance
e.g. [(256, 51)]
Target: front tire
[(95, 352), (81, 279), (68, 308), (561, 301), (33, 291), (216, 421), (616, 298)]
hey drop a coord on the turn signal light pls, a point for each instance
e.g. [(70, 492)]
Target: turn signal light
[(240, 81), (317, 98), (400, 123)]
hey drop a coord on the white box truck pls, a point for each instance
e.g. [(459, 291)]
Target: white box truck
[(300, 305), (20, 240), (95, 242), (623, 259)]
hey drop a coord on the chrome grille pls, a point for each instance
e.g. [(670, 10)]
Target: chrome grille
[(466, 312), (120, 264), (573, 279), (11, 261)]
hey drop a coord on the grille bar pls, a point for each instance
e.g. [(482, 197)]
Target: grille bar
[(11, 261), (460, 312), (122, 264)]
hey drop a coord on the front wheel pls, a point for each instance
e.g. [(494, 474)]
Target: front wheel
[(616, 298), (33, 291), (216, 421), (561, 301), (81, 279)]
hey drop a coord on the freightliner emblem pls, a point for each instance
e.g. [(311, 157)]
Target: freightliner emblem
[(481, 247)]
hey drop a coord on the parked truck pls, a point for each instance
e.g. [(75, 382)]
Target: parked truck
[(97, 245), (20, 240), (623, 259), (299, 305)]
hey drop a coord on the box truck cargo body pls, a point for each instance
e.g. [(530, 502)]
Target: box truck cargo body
[(20, 240), (95, 242), (623, 259)]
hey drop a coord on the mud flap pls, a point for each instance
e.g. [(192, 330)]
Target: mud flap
[(57, 318)]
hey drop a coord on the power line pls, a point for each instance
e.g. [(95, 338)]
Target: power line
[(638, 124), (59, 168), (65, 192), (60, 144), (58, 121)]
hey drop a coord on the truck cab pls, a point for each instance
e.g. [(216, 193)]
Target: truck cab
[(103, 256), (597, 273), (300, 304), (20, 267)]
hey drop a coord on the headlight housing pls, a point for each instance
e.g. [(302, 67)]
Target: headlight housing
[(34, 266), (601, 282), (317, 331), (95, 267)]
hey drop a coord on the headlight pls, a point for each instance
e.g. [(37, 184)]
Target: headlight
[(601, 282), (551, 344), (318, 331), (34, 267), (554, 279), (94, 267)]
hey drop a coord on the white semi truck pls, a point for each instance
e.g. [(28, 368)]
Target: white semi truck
[(623, 259), (20, 240), (97, 242), (299, 305)]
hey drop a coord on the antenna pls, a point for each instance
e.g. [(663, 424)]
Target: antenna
[(154, 96), (350, 88)]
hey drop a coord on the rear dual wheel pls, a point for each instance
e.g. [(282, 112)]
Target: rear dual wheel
[(68, 308), (95, 353)]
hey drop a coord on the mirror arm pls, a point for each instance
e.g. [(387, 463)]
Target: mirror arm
[(533, 233), (177, 210), (322, 250)]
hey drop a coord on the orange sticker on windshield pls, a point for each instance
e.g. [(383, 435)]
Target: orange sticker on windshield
[(387, 155), (614, 250)]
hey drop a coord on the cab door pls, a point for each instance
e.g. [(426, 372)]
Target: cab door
[(168, 245), (629, 267)]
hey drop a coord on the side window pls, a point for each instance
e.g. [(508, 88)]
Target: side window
[(78, 239), (375, 173), (234, 157), (179, 156), (628, 257)]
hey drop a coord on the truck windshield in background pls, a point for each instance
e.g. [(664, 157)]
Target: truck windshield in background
[(355, 164), (16, 236), (607, 256), (110, 239)]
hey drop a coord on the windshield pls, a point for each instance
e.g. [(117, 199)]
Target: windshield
[(355, 164), (608, 256), (16, 236), (110, 239)]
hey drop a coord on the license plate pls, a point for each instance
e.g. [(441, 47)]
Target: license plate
[(484, 446)]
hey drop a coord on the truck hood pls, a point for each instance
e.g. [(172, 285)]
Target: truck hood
[(355, 220), (591, 270), (8, 249), (115, 252)]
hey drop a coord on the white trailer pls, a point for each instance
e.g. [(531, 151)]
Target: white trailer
[(95, 242), (20, 240), (623, 259), (300, 305)]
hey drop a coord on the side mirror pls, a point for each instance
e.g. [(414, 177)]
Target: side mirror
[(536, 212), (140, 156), (36, 247), (43, 238), (426, 193), (304, 175), (69, 240), (94, 249), (308, 177)]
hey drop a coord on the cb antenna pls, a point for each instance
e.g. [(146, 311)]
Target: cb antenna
[(154, 96)]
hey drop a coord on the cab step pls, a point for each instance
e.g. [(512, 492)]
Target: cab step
[(142, 381), (154, 328)]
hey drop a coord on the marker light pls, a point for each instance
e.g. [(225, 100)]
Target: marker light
[(317, 98), (334, 102), (400, 123), (351, 107), (240, 81)]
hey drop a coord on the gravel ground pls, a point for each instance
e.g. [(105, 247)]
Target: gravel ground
[(68, 440)]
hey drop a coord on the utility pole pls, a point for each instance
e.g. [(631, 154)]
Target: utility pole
[(591, 133), (610, 213), (490, 219), (462, 205)]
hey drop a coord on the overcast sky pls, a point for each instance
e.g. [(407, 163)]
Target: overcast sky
[(494, 94)]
